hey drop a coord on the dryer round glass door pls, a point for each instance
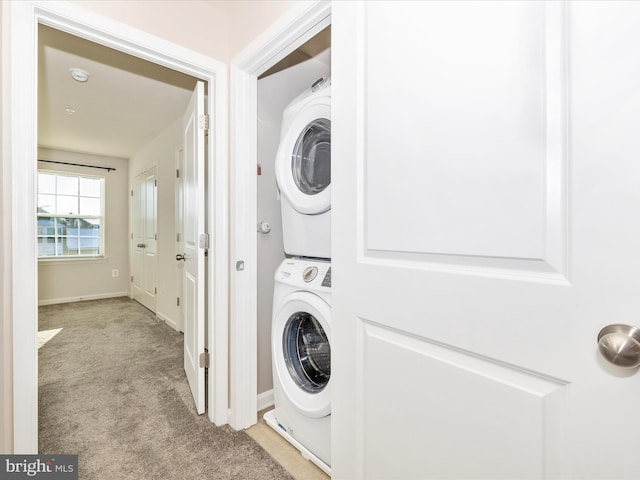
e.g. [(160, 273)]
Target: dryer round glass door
[(311, 157), (307, 352), (303, 161)]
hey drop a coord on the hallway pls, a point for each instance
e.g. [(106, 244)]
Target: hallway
[(112, 389)]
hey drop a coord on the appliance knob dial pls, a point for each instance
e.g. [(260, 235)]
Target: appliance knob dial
[(309, 274)]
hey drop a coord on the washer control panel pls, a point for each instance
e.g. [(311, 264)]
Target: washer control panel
[(326, 281), (307, 274)]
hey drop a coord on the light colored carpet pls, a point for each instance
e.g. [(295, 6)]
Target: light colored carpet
[(113, 390)]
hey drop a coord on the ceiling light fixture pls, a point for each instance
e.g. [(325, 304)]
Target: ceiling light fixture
[(70, 110), (79, 75)]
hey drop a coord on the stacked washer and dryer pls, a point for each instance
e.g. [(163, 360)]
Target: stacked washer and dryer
[(301, 323)]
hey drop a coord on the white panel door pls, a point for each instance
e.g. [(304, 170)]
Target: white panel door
[(144, 240), (485, 209), (193, 279), (137, 239)]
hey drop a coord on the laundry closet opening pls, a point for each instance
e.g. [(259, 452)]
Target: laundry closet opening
[(304, 72)]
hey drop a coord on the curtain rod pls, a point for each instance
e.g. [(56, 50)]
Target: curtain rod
[(108, 169)]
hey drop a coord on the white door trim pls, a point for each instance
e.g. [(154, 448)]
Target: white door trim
[(178, 323), (296, 26), (19, 146)]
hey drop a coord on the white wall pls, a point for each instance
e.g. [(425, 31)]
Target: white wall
[(194, 24), (249, 18), (161, 152), (71, 280), (219, 28), (275, 92)]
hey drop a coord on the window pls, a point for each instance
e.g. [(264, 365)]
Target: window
[(70, 215)]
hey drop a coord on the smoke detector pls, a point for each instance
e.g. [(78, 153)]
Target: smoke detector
[(79, 75)]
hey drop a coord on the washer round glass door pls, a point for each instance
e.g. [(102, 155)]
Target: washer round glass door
[(307, 352), (301, 349), (303, 161)]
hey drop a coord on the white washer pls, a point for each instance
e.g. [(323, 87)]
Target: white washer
[(300, 342), (303, 172)]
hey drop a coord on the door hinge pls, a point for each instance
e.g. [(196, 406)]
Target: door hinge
[(132, 193), (204, 360), (131, 278), (155, 236), (204, 241), (155, 183), (155, 290), (132, 236), (203, 122), (177, 237), (177, 173), (177, 301)]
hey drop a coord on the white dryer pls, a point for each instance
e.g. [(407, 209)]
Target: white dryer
[(301, 350), (303, 172)]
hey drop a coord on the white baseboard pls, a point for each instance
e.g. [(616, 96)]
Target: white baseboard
[(99, 296), (167, 320), (265, 400)]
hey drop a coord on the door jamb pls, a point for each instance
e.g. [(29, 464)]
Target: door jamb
[(19, 147), (178, 245), (296, 26)]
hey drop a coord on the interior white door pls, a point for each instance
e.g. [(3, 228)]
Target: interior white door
[(144, 240), (485, 199), (193, 280)]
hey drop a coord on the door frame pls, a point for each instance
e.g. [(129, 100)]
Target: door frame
[(19, 148), (301, 22), (179, 245)]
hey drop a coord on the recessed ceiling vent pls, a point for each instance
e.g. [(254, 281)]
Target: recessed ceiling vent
[(79, 75)]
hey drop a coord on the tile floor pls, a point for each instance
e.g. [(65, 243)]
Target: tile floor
[(283, 452)]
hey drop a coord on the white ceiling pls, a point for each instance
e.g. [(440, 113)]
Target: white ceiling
[(126, 103)]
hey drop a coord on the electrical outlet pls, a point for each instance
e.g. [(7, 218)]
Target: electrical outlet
[(115, 272)]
